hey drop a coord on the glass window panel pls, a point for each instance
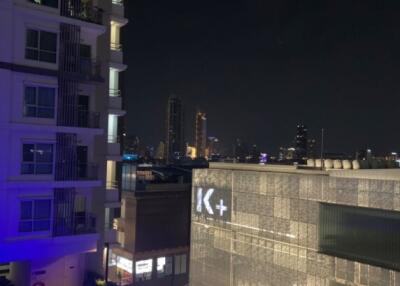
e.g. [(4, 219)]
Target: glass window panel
[(41, 225), (46, 96), (30, 95), (28, 152), (45, 112), (25, 226), (32, 38), (42, 169), (42, 209), (49, 57), (30, 111), (44, 153), (48, 41), (27, 169), (31, 54), (26, 210)]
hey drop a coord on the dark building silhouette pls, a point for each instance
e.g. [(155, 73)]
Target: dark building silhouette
[(131, 144), (240, 151), (201, 134), (301, 140), (311, 151), (174, 141)]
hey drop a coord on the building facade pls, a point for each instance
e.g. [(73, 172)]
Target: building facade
[(153, 228), (301, 142), (175, 139), (55, 66), (201, 134), (279, 225)]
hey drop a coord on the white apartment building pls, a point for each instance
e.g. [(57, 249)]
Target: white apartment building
[(60, 101)]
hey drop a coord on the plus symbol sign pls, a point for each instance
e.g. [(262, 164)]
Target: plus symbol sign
[(221, 207)]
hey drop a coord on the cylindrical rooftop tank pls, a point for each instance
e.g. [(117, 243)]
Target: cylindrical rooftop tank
[(337, 164), (310, 162), (346, 164)]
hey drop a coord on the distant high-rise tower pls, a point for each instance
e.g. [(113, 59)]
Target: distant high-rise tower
[(201, 134), (174, 143), (301, 140)]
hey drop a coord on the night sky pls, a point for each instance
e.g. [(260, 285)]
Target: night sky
[(257, 68)]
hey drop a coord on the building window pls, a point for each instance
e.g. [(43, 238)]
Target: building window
[(164, 266), (37, 159), (180, 264), (35, 215), (39, 102), (143, 270), (50, 3), (370, 236), (41, 46)]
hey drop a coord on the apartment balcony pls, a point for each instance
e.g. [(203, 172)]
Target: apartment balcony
[(89, 69), (67, 171), (112, 195), (79, 224), (83, 119), (84, 11), (116, 54), (111, 236), (115, 99), (114, 148), (117, 8)]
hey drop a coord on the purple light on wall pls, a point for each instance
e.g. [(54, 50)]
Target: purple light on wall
[(263, 158)]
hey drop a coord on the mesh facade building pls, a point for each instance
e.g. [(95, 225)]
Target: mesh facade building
[(278, 225)]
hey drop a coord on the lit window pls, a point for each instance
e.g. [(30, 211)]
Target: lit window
[(143, 270), (35, 215), (41, 46), (37, 159), (180, 264), (39, 102), (164, 266), (50, 3)]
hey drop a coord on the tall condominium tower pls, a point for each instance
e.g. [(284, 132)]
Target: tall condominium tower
[(175, 145), (201, 134), (56, 65), (301, 140)]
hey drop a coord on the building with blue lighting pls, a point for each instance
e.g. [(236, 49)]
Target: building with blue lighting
[(59, 67)]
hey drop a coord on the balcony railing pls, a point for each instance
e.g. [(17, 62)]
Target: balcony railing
[(89, 69), (85, 12), (112, 184), (88, 119), (80, 223), (114, 92), (116, 46), (113, 139), (69, 171)]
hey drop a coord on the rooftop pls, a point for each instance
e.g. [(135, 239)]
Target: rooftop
[(377, 174)]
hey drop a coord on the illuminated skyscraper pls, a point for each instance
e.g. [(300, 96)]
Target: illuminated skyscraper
[(175, 140), (201, 134)]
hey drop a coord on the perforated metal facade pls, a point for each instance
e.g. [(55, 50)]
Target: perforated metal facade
[(270, 236)]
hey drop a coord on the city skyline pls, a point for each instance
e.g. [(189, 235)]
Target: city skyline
[(279, 60)]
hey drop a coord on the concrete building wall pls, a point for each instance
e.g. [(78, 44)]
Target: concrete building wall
[(270, 236)]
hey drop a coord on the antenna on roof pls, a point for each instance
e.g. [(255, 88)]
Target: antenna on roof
[(322, 148)]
